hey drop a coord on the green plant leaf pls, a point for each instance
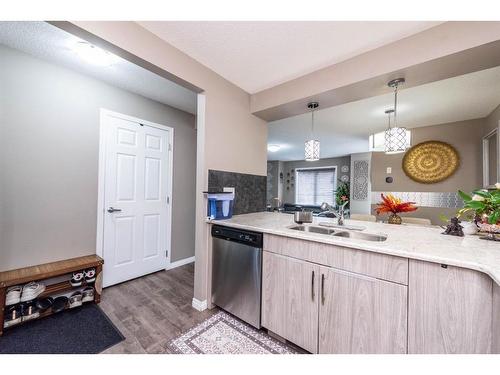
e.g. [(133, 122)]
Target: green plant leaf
[(464, 196), (493, 218), (476, 205)]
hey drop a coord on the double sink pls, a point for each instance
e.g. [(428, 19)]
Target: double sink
[(339, 233)]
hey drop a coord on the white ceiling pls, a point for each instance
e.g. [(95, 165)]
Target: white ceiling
[(259, 55), (344, 129), (50, 43)]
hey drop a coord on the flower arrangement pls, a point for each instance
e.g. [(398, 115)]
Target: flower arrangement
[(393, 205), (483, 206)]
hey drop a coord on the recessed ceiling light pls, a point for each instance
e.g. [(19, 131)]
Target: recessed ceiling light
[(273, 148), (95, 55)]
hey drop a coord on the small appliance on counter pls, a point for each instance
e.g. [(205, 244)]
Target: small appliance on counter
[(220, 205)]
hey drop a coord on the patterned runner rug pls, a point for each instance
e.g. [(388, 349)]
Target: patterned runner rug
[(224, 334)]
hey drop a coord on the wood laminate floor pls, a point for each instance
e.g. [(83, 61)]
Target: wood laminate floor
[(152, 310)]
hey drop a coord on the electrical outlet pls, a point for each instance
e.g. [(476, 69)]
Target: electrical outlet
[(389, 170)]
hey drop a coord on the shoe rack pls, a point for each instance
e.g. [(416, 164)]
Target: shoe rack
[(47, 271)]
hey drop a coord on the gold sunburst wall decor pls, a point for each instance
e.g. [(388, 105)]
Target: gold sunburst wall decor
[(430, 162)]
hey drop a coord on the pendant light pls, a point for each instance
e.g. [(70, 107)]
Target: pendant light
[(395, 137), (311, 148)]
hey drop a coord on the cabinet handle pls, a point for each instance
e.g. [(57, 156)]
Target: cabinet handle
[(312, 286), (322, 288)]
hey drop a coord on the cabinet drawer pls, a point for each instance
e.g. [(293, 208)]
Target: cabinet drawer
[(381, 266)]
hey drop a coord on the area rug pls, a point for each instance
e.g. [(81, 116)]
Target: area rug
[(83, 330), (224, 334)]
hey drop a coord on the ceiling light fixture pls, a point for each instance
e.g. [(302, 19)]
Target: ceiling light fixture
[(311, 148), (95, 55), (395, 137), (273, 148)]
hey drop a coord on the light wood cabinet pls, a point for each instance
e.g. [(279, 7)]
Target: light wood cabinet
[(449, 310), (360, 314), (290, 299)]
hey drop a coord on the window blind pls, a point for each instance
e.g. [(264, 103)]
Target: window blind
[(315, 186)]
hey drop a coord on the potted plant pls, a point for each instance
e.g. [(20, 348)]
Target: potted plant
[(342, 194), (393, 205), (484, 207)]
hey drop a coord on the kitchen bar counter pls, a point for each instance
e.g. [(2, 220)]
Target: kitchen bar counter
[(409, 241)]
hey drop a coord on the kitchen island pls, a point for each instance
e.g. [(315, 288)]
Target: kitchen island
[(417, 291)]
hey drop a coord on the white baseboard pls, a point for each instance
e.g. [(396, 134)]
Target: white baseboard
[(179, 263), (199, 305)]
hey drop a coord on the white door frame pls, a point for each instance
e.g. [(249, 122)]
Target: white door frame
[(101, 178)]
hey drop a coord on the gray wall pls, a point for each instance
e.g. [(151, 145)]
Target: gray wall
[(465, 136), (289, 188), (49, 141)]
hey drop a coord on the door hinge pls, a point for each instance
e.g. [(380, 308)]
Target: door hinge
[(168, 199), (169, 147), (166, 253)]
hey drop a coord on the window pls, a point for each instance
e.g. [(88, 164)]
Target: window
[(315, 186), (377, 141)]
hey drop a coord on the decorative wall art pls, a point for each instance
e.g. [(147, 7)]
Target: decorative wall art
[(360, 180), (430, 162)]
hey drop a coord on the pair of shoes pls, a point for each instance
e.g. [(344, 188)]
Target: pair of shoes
[(29, 310), (13, 316), (75, 300), (59, 304), (28, 292), (44, 304), (88, 294), (78, 276)]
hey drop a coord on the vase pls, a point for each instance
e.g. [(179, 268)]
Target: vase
[(394, 219)]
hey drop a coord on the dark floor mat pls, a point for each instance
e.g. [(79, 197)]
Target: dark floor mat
[(84, 330)]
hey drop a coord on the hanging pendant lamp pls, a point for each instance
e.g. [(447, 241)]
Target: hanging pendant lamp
[(311, 148), (395, 137)]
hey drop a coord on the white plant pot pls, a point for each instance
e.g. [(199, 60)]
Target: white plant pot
[(469, 228)]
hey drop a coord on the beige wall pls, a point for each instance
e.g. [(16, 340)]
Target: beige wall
[(442, 40), (49, 143), (492, 120), (465, 136), (230, 138)]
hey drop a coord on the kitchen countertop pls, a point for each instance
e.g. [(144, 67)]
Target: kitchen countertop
[(409, 241)]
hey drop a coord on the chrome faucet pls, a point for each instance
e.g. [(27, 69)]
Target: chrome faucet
[(329, 209)]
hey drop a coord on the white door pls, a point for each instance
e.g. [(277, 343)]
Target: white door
[(137, 185)]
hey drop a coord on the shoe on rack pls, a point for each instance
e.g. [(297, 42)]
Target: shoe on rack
[(31, 291), (59, 304), (29, 311), (13, 295), (77, 278), (88, 294), (75, 300), (89, 275), (13, 316), (44, 303)]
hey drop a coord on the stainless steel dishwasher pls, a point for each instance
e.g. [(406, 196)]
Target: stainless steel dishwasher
[(237, 272)]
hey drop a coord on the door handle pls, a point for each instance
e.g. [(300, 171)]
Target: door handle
[(322, 288), (312, 286), (111, 210)]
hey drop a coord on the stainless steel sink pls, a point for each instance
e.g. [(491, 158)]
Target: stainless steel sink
[(313, 229), (361, 236)]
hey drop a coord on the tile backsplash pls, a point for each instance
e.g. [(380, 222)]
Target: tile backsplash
[(250, 190)]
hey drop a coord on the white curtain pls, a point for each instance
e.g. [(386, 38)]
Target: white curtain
[(315, 186)]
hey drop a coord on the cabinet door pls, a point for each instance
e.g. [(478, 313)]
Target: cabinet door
[(449, 309), (359, 314), (290, 299)]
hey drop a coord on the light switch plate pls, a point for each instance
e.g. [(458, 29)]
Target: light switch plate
[(389, 170)]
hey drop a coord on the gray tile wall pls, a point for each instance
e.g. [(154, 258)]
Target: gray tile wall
[(250, 190)]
